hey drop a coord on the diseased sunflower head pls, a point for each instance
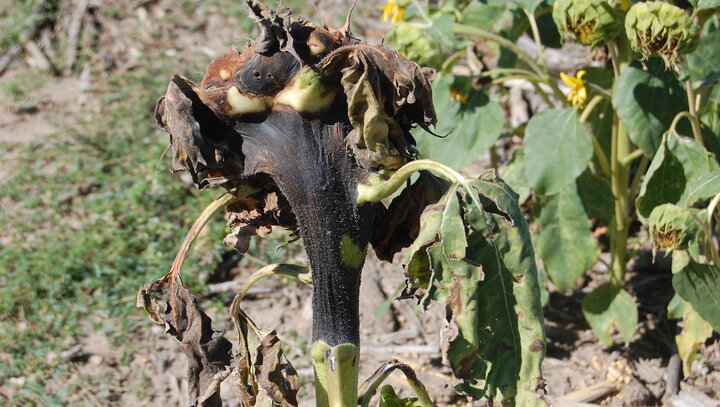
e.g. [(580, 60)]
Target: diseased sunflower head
[(302, 108), (589, 22), (658, 28), (325, 75)]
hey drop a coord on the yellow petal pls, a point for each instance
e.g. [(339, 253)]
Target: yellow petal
[(568, 80), (580, 74), (582, 94), (388, 9), (399, 16)]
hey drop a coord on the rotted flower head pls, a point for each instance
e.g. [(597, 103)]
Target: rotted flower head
[(578, 91), (657, 28), (589, 22), (672, 227)]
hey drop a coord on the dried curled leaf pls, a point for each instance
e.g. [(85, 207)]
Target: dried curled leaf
[(382, 119), (264, 375), (207, 351), (201, 143), (397, 227), (255, 215)]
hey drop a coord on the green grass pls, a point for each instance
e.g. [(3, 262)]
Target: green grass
[(90, 221), (88, 217)]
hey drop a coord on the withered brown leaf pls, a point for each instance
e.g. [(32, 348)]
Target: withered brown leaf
[(207, 351)]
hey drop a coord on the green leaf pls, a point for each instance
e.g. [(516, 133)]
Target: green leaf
[(509, 322), (707, 4), (452, 228), (601, 118), (699, 284), (494, 340), (609, 307), (564, 240), (529, 5), (695, 332), (676, 174), (596, 196), (704, 187), (557, 150), (389, 398), (442, 31), (484, 14), (705, 60), (676, 307), (472, 127), (647, 102), (514, 175)]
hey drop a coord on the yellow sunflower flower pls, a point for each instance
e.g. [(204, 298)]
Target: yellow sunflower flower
[(578, 92), (457, 95), (392, 9)]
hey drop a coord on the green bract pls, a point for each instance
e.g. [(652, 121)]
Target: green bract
[(589, 22), (657, 28), (672, 227)]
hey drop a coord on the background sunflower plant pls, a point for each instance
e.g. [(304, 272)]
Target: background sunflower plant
[(632, 143)]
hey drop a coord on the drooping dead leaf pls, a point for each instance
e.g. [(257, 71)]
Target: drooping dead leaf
[(256, 215), (207, 351), (263, 372), (201, 143), (398, 226)]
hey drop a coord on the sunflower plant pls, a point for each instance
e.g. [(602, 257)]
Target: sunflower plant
[(633, 139), (309, 129)]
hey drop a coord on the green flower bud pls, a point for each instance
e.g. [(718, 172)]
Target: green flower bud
[(657, 28), (589, 22), (416, 45), (672, 227)]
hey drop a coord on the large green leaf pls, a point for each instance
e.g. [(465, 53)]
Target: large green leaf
[(647, 102), (473, 126), (564, 241), (609, 307), (557, 150), (705, 60), (596, 196), (495, 340), (677, 174), (529, 5), (485, 14), (601, 119), (514, 175), (699, 284), (707, 4), (704, 187)]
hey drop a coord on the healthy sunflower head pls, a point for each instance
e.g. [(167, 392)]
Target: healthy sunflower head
[(657, 28), (589, 22), (672, 227)]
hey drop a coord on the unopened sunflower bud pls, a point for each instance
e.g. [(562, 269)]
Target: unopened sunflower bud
[(589, 22), (657, 28), (672, 227)]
